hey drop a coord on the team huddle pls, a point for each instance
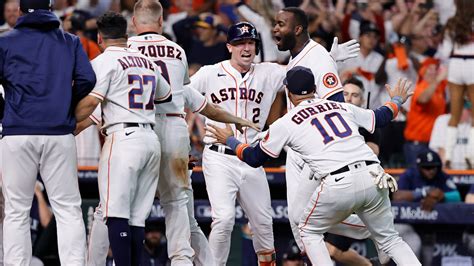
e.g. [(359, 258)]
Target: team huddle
[(137, 90)]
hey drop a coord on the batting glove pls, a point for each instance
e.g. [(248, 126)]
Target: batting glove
[(344, 51), (384, 181)]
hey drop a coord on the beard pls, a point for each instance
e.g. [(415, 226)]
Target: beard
[(287, 42)]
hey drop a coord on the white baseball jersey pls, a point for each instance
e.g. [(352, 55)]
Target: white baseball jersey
[(324, 133), (249, 97), (172, 63), (132, 101), (193, 100), (315, 57)]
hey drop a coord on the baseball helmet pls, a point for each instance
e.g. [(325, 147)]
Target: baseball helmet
[(243, 31)]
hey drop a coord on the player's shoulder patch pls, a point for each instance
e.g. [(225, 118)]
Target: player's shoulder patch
[(330, 80)]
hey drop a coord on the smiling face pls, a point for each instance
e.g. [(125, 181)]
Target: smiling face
[(284, 31), (243, 53)]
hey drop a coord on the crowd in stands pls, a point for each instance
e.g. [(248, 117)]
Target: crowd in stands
[(413, 39), (428, 42)]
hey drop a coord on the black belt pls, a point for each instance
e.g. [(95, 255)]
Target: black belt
[(226, 150), (346, 168), (462, 56), (127, 125)]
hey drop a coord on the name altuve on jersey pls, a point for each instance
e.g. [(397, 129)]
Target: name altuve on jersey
[(135, 61), (307, 112)]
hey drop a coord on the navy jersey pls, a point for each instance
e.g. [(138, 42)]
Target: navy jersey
[(412, 180)]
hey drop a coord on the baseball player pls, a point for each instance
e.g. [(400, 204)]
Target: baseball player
[(128, 84), (45, 72), (291, 34), (325, 134), (174, 187), (246, 90)]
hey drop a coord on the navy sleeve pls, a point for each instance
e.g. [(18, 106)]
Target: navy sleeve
[(253, 156), (84, 76), (338, 97), (471, 189), (2, 60), (404, 181), (383, 116)]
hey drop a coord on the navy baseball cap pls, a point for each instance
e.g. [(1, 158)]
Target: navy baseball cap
[(300, 80), (29, 6), (428, 158), (367, 27)]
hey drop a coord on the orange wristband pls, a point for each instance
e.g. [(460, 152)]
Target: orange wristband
[(240, 150)]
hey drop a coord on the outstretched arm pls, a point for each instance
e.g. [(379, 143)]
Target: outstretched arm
[(216, 113), (253, 156)]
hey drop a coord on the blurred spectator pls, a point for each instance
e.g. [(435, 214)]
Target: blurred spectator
[(470, 195), (292, 256), (185, 8), (76, 24), (207, 47), (397, 65), (425, 183), (11, 14), (458, 44), (95, 7), (154, 252), (420, 22), (438, 139), (370, 11), (367, 63), (427, 103), (354, 94), (323, 21)]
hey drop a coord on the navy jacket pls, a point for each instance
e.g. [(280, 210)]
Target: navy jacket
[(44, 72)]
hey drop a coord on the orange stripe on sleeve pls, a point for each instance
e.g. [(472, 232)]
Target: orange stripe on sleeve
[(394, 108)]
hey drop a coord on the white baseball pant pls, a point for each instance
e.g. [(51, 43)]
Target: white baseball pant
[(173, 134), (54, 157), (340, 195), (229, 179), (128, 174), (300, 188)]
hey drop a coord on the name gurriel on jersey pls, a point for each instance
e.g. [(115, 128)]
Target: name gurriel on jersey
[(135, 61), (307, 112)]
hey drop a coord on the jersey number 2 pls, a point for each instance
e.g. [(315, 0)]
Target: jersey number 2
[(329, 120), (133, 102)]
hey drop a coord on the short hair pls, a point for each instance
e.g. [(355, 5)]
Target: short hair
[(300, 16), (112, 25), (355, 81), (147, 11)]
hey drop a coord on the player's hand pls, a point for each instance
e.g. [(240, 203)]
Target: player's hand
[(246, 123), (383, 180), (428, 203), (220, 134), (258, 137), (401, 89), (436, 194), (39, 188), (344, 51)]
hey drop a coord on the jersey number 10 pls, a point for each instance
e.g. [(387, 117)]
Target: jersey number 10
[(329, 120)]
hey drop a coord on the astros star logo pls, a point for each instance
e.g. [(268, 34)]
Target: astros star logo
[(245, 29)]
